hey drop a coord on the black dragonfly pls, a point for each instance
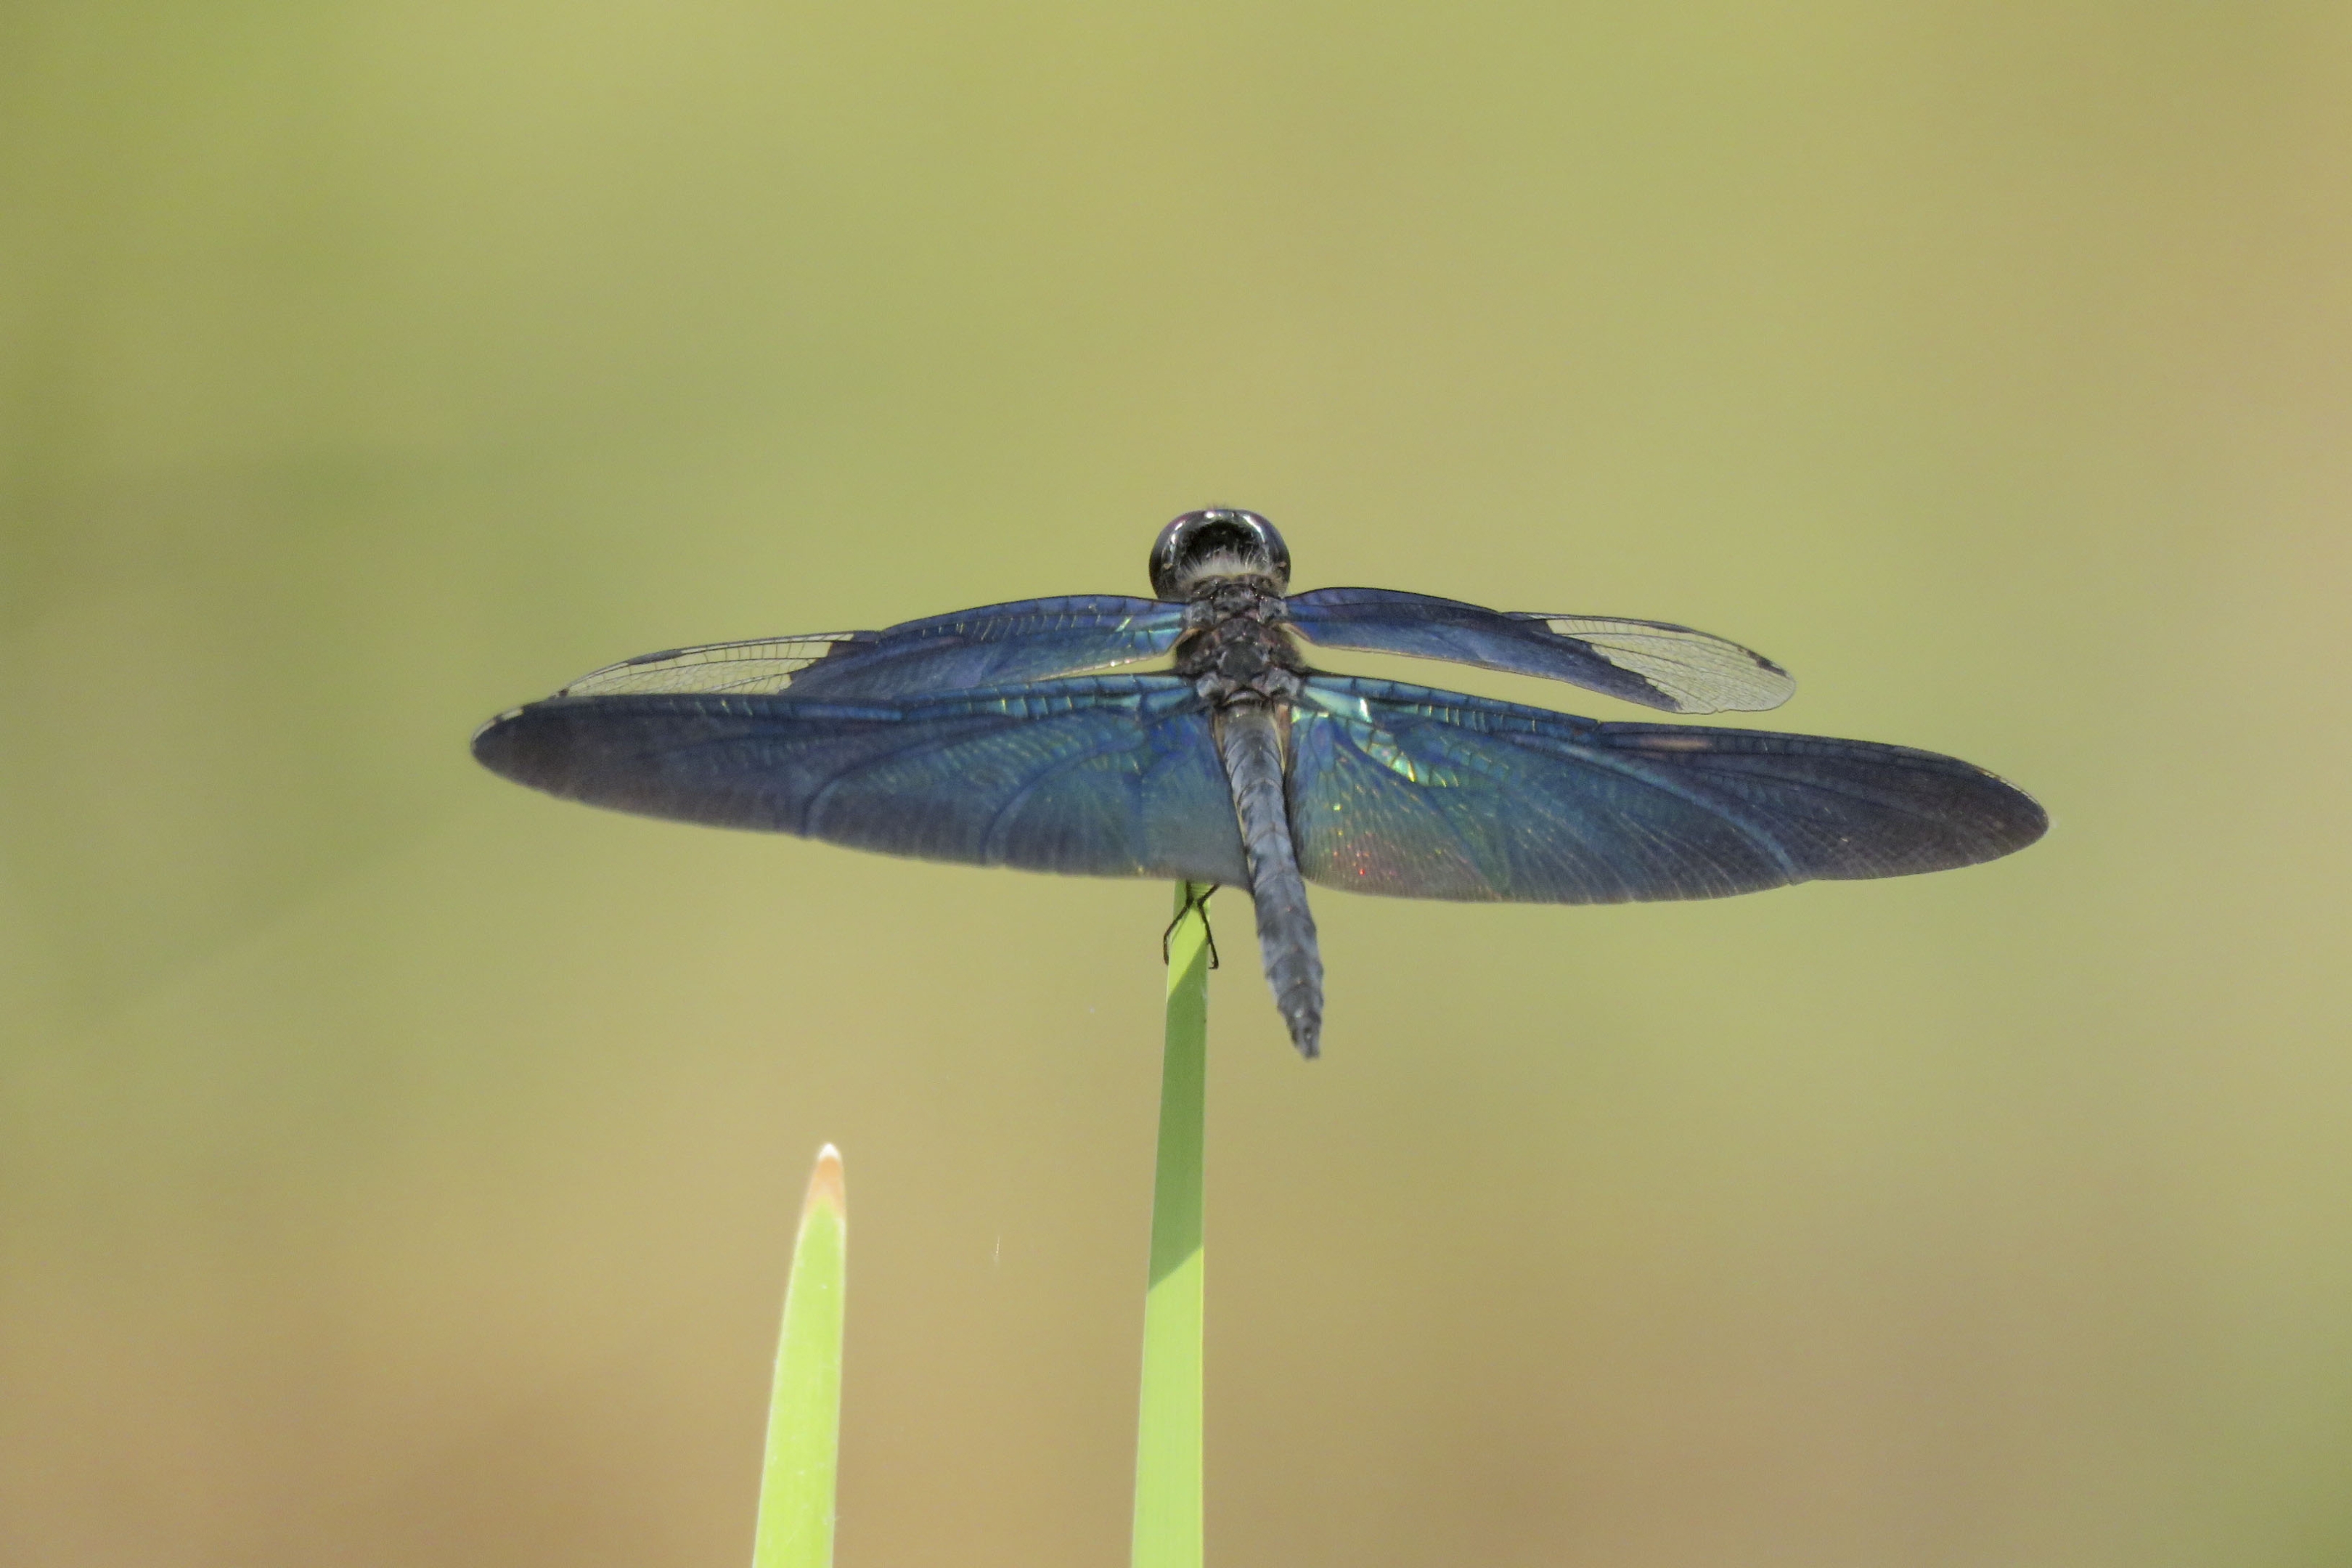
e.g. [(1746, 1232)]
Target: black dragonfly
[(986, 736)]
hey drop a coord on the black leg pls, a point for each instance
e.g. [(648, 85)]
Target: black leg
[(1196, 897)]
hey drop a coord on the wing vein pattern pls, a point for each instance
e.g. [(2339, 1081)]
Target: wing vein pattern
[(1655, 663), (1390, 789), (1402, 790), (993, 646), (1094, 776)]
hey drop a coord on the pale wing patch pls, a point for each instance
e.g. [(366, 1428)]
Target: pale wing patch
[(760, 666), (1703, 674)]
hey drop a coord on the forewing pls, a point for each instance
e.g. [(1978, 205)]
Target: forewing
[(995, 645), (757, 667), (1402, 790), (1106, 776), (1654, 663)]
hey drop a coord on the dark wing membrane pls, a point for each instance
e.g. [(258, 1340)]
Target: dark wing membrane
[(1104, 776), (996, 645), (1650, 662), (1401, 789)]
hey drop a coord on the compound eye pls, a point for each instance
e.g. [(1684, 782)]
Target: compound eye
[(1220, 542)]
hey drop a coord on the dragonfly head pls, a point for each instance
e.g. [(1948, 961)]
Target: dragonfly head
[(1209, 546)]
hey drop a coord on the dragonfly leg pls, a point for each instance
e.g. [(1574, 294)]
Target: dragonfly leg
[(1196, 897)]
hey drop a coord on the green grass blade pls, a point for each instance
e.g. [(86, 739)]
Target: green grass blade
[(805, 1411), (1168, 1437)]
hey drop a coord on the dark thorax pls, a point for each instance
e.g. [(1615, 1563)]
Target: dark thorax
[(1236, 648)]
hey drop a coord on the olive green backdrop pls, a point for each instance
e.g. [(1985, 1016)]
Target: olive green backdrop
[(397, 1167)]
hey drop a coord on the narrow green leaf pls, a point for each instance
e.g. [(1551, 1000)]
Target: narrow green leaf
[(804, 1410), (1168, 1515)]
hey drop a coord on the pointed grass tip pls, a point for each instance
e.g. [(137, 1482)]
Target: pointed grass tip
[(826, 1193)]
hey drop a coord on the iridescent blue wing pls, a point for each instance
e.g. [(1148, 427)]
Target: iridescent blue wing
[(1401, 789), (995, 645), (1100, 776), (1650, 662)]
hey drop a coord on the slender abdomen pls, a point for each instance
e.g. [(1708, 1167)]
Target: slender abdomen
[(1251, 741)]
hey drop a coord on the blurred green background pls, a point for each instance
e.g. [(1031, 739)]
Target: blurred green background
[(397, 1166)]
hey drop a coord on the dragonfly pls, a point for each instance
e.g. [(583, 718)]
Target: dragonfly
[(1015, 736)]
